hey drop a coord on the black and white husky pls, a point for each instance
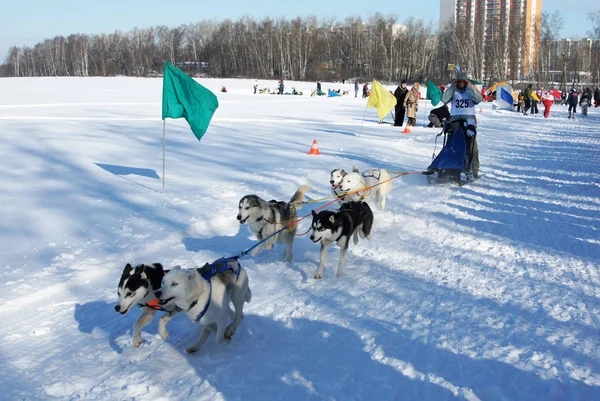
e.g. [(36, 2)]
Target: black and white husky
[(328, 226), (205, 298), (136, 287), (265, 218), (377, 178)]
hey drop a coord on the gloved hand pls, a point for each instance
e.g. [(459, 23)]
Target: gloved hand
[(470, 133)]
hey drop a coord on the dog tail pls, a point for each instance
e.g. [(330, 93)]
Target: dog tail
[(355, 170), (298, 197)]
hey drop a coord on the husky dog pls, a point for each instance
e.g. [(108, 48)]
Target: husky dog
[(136, 287), (206, 300), (353, 181), (353, 218), (265, 218), (336, 177)]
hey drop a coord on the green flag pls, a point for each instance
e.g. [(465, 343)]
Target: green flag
[(184, 97), (433, 92)]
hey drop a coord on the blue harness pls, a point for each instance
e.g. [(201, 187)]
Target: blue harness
[(209, 270)]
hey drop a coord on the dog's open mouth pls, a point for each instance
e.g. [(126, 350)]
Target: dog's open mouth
[(165, 301), (244, 220), (334, 186), (122, 312)]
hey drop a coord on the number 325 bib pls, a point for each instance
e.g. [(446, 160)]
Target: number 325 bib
[(462, 104)]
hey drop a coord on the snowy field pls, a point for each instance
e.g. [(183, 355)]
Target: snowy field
[(490, 291)]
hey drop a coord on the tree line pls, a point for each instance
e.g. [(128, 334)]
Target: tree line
[(305, 48)]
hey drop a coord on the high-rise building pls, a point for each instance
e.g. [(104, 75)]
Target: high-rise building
[(493, 20)]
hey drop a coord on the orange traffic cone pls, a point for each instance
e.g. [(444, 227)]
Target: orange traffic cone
[(314, 149), (406, 129)]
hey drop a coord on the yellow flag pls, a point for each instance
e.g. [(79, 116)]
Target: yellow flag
[(381, 99)]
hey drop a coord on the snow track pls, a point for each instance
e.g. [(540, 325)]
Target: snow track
[(489, 291)]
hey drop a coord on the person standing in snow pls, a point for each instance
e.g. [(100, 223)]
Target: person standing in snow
[(281, 86), (584, 101), (572, 102), (365, 90), (464, 97), (597, 97), (400, 94), (527, 97), (548, 101), (355, 88), (411, 103), (255, 86), (319, 87)]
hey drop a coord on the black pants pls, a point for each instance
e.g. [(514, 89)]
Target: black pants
[(527, 105), (400, 113), (534, 108)]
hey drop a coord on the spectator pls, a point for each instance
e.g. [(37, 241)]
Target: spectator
[(319, 86), (548, 101), (365, 90), (464, 96), (411, 102), (585, 101), (355, 88), (281, 87), (255, 86), (438, 116), (597, 97), (400, 94), (527, 98), (572, 102)]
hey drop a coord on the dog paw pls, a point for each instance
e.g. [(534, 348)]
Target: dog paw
[(318, 276), (137, 341), (255, 252), (191, 350), (269, 246), (338, 274)]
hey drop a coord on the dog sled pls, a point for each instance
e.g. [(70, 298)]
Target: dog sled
[(454, 162)]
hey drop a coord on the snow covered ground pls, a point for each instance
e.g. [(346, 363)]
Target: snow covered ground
[(486, 292)]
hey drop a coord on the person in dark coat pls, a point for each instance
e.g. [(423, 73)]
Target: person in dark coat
[(365, 90), (400, 94), (318, 86), (597, 97), (527, 96), (438, 116), (572, 100)]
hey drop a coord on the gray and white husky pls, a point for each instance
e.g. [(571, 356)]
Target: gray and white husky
[(342, 182), (329, 226), (136, 287), (206, 301), (265, 218)]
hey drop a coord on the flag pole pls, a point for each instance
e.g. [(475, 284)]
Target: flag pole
[(164, 151), (363, 120)]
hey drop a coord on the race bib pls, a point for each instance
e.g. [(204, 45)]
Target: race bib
[(462, 104)]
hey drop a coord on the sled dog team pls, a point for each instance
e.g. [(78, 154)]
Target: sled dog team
[(204, 294)]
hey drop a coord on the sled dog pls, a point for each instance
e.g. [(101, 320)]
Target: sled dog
[(136, 287), (205, 300), (328, 226), (265, 218), (353, 181)]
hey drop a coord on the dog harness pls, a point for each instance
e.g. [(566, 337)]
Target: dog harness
[(208, 271)]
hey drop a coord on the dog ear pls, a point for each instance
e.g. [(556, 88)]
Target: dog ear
[(143, 275), (332, 218), (128, 268), (342, 173), (176, 267), (313, 213), (191, 275)]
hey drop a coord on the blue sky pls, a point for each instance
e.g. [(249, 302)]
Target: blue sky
[(31, 21)]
